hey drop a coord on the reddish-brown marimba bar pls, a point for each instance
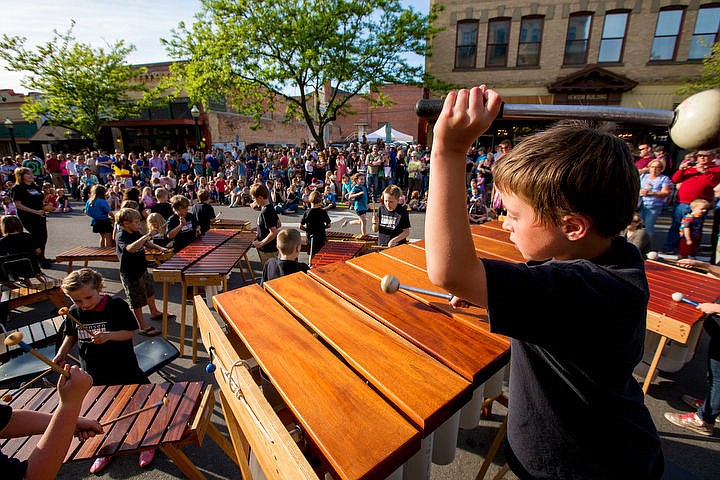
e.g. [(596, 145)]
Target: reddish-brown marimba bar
[(222, 259), (149, 429), (330, 235), (336, 252), (198, 249)]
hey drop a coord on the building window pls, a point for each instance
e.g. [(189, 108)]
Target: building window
[(578, 37), (466, 49), (666, 34), (497, 42), (531, 30), (706, 32), (613, 37)]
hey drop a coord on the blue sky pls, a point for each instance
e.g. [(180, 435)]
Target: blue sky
[(138, 22)]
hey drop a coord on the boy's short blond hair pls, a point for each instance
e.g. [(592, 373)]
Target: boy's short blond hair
[(288, 240), (203, 195), (80, 278), (161, 193), (127, 215), (573, 168), (179, 201), (699, 203), (315, 197), (259, 190), (393, 190), (130, 204)]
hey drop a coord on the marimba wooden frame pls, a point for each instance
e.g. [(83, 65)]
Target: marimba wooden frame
[(251, 421)]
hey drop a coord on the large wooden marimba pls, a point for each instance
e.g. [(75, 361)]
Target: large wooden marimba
[(376, 381), (206, 262), (185, 419), (668, 319), (229, 224)]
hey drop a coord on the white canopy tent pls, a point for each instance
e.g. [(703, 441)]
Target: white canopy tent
[(395, 136)]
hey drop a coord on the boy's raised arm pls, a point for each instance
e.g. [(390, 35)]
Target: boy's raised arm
[(451, 260)]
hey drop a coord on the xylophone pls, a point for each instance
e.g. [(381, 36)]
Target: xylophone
[(205, 262), (105, 254), (345, 236), (334, 251), (184, 419), (666, 318), (377, 382)]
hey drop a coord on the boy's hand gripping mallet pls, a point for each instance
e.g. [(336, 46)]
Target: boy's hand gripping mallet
[(17, 339), (391, 284)]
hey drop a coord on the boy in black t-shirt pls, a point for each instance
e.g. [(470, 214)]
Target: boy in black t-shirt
[(203, 211), (162, 206), (289, 243), (314, 222), (268, 224), (569, 191), (182, 226), (392, 221), (134, 276)]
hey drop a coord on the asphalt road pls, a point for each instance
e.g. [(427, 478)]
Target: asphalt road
[(692, 456)]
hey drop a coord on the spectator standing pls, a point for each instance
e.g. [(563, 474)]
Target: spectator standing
[(28, 199), (654, 190)]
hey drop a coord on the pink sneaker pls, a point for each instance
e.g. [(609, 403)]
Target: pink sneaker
[(690, 421), (146, 457), (99, 464)]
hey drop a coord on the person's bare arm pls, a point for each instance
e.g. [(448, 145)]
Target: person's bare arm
[(451, 260)]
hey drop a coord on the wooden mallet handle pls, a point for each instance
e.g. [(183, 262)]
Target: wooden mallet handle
[(9, 396), (66, 312), (16, 338), (164, 401)]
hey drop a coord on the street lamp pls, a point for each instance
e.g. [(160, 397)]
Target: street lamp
[(195, 112), (10, 126)]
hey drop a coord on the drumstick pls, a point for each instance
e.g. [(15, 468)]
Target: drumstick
[(17, 339), (679, 297), (162, 402), (9, 396), (391, 284), (66, 312)]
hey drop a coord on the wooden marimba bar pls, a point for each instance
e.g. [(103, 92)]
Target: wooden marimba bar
[(408, 363), (336, 252), (672, 320), (97, 254), (229, 224), (346, 236)]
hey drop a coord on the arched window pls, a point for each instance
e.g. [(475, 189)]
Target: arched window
[(664, 44), (466, 44), (531, 31), (498, 40), (706, 31), (612, 43), (578, 38)]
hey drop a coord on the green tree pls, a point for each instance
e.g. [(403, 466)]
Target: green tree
[(80, 87), (265, 54), (710, 77)]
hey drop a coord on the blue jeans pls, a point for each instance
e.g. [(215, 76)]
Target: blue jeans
[(711, 408), (371, 180), (673, 238), (649, 216)]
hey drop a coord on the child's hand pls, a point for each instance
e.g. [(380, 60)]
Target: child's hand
[(87, 428), (72, 390), (100, 337), (465, 116), (457, 302), (153, 232), (59, 359), (709, 308)]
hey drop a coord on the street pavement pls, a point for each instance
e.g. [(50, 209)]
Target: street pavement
[(692, 456)]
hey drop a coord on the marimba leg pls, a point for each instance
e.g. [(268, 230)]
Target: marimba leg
[(445, 442), (654, 364), (418, 467), (182, 317), (470, 414), (247, 262), (165, 310)]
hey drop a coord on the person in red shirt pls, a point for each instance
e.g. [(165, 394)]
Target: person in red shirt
[(698, 177), (220, 186), (646, 156)]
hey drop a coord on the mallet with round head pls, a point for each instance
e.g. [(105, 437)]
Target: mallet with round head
[(16, 338), (8, 397), (693, 125), (65, 311), (391, 284), (679, 297), (162, 402)]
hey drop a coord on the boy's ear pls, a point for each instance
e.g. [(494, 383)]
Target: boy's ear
[(576, 227)]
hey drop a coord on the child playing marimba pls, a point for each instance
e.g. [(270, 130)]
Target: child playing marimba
[(575, 409), (107, 353), (289, 243)]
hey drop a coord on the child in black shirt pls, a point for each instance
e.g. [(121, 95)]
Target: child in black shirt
[(203, 211), (392, 221), (315, 221), (289, 243), (182, 226)]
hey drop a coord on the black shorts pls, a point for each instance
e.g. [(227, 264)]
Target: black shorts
[(103, 226)]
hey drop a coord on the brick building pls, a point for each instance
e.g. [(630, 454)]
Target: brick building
[(628, 53)]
